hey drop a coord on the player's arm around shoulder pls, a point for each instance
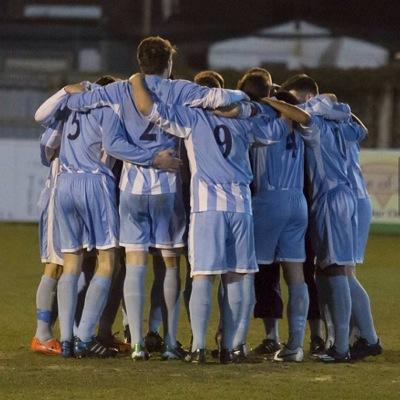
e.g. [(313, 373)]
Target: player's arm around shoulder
[(175, 120)]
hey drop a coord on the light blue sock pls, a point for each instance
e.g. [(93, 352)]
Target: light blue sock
[(233, 294), (44, 304), (95, 301), (340, 307), (134, 291), (361, 310), (297, 314), (247, 310), (171, 298), (67, 295), (200, 307)]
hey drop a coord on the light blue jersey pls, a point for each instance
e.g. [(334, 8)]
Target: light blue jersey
[(217, 149), (138, 179), (279, 206), (355, 133), (333, 207), (281, 165), (326, 154), (352, 132)]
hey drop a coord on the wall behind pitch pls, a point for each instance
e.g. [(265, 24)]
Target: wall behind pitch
[(21, 180)]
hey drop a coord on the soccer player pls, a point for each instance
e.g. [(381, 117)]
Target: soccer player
[(333, 212), (268, 302), (280, 216), (151, 215), (327, 106), (86, 211), (44, 341), (220, 237)]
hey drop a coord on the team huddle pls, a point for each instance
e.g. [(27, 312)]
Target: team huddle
[(239, 182)]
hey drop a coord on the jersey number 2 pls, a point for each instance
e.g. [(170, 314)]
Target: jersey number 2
[(150, 137)]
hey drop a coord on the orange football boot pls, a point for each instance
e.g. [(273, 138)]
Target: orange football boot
[(51, 347)]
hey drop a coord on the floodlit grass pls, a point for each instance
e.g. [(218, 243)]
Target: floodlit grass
[(24, 375)]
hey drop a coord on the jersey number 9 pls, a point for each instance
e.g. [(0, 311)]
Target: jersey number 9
[(224, 143)]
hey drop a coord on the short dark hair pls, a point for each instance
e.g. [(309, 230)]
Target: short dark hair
[(302, 83), (260, 71), (255, 85), (153, 54), (210, 79), (106, 79), (287, 97)]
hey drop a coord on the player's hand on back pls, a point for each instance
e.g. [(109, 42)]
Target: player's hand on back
[(166, 161), (74, 88)]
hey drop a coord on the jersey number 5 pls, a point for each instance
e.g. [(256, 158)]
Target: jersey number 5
[(224, 143), (75, 121)]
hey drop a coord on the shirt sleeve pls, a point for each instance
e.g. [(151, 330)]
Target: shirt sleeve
[(311, 133), (354, 132), (117, 143), (46, 114), (192, 95), (97, 97), (50, 142), (176, 120)]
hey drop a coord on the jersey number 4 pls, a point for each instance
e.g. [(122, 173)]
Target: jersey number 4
[(224, 143)]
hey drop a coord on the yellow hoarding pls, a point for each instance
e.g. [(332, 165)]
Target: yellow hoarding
[(381, 173)]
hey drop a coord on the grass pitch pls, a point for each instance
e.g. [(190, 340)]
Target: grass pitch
[(24, 375)]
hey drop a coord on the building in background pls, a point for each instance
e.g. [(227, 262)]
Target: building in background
[(296, 45)]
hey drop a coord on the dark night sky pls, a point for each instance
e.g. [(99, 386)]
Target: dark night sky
[(372, 19)]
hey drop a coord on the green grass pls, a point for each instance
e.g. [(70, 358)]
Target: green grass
[(24, 375)]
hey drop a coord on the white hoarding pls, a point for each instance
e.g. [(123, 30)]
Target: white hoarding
[(21, 180)]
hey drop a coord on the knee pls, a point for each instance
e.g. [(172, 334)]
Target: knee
[(52, 270), (136, 257), (331, 270)]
